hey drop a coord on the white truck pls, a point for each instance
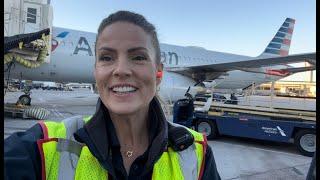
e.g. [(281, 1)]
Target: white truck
[(50, 86)]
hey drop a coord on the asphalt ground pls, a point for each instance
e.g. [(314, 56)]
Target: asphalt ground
[(236, 158)]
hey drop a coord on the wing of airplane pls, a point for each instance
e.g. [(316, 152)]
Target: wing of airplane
[(276, 53), (213, 71)]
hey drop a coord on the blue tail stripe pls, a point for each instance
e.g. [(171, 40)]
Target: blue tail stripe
[(278, 40), (289, 20), (282, 29), (276, 46), (279, 34), (272, 51), (285, 24)]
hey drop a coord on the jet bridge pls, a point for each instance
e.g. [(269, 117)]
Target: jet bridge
[(27, 36), (27, 29)]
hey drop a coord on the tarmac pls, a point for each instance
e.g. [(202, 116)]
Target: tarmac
[(236, 158)]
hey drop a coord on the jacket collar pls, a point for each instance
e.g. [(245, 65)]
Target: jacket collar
[(96, 129), (97, 137)]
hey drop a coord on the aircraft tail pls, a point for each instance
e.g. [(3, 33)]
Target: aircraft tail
[(280, 44)]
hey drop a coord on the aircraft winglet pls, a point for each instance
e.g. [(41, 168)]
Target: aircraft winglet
[(280, 44)]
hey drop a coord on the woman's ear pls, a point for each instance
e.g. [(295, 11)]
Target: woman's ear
[(159, 73)]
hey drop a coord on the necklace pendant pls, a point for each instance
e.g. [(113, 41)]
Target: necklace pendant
[(129, 153)]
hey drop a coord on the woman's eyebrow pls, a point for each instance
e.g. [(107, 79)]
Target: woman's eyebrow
[(108, 49), (137, 48), (129, 50)]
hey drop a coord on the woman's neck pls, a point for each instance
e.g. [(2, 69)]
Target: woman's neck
[(132, 130)]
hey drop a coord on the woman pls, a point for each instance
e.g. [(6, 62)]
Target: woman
[(128, 137)]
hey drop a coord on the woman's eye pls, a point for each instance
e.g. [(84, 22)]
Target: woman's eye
[(105, 58), (139, 58)]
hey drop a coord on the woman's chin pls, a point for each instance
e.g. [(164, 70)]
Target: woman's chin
[(122, 109)]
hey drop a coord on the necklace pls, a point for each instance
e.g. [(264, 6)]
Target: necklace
[(127, 153)]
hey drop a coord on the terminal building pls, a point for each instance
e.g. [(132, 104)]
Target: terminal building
[(289, 88)]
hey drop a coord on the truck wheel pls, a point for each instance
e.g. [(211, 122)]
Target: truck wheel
[(305, 141), (207, 127)]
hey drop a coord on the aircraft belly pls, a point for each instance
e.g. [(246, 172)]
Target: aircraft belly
[(173, 86), (239, 79)]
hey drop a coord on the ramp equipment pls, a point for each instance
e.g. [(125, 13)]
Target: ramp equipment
[(15, 41), (29, 50), (263, 123), (25, 112)]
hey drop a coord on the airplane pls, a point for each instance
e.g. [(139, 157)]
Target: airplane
[(72, 60)]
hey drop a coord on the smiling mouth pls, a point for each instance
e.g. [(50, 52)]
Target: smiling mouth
[(122, 90)]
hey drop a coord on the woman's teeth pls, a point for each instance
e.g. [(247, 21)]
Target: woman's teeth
[(124, 89)]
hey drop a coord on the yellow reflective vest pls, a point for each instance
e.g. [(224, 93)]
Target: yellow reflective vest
[(62, 157)]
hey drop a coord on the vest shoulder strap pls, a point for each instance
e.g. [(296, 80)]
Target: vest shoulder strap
[(67, 148), (63, 129)]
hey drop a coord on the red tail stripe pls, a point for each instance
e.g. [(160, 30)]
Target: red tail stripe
[(283, 52), (287, 41)]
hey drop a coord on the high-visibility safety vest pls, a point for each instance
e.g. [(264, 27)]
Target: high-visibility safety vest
[(62, 157)]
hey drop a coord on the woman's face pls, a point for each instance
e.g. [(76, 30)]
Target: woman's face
[(126, 68)]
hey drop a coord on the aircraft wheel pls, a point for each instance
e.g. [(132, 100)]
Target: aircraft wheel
[(305, 141), (24, 100), (209, 128)]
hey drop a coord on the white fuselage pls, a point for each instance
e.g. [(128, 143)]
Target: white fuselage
[(73, 61)]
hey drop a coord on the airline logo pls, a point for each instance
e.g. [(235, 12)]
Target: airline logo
[(280, 44), (281, 131), (56, 41)]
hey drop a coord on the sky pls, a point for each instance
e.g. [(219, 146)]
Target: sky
[(240, 27)]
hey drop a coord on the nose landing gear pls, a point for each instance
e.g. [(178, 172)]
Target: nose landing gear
[(25, 99)]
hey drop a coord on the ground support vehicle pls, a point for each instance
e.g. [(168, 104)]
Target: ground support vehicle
[(280, 125)]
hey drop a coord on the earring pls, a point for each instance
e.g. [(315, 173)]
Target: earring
[(159, 74)]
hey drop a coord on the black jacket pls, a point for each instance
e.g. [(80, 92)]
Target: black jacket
[(22, 159)]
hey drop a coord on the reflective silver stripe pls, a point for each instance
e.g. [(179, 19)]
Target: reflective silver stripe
[(69, 148), (189, 163)]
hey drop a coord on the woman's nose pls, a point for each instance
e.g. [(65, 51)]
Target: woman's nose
[(122, 67)]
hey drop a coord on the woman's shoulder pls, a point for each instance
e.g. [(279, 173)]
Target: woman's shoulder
[(180, 129), (21, 155), (22, 140), (22, 137)]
